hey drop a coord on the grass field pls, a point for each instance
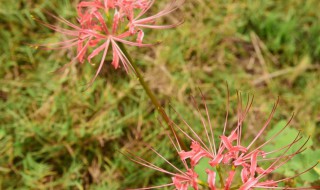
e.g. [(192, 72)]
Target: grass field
[(55, 135)]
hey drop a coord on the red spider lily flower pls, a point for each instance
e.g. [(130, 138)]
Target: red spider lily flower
[(232, 164), (103, 24)]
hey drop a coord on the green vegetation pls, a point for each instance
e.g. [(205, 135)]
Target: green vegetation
[(54, 135)]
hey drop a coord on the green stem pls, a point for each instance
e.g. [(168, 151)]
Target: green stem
[(220, 175), (151, 95), (202, 183)]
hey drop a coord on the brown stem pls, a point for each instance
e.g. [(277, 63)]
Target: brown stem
[(151, 95)]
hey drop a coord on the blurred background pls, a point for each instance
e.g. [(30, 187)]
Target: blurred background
[(55, 135)]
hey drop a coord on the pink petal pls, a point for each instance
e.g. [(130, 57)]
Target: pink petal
[(197, 157), (194, 178), (211, 179), (195, 146), (217, 159), (249, 184), (229, 180), (226, 142), (245, 175), (180, 183), (239, 149), (140, 36), (254, 162), (116, 20), (115, 59), (184, 155), (81, 51), (98, 50)]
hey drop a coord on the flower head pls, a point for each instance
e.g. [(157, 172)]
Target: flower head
[(103, 24), (231, 164)]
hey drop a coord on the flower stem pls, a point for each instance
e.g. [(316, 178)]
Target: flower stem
[(202, 183), (151, 95), (220, 175)]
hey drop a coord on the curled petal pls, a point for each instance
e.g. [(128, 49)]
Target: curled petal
[(197, 157), (140, 36), (211, 179), (180, 183), (245, 173), (98, 50), (260, 170), (239, 149), (109, 3), (254, 162), (226, 142), (195, 154), (184, 155), (116, 21), (251, 182), (239, 161), (228, 156), (216, 160), (94, 42), (195, 146), (82, 51), (115, 59), (194, 177), (233, 136), (229, 179)]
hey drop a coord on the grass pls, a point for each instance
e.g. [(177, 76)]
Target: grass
[(54, 135)]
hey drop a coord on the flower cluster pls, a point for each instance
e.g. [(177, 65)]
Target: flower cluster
[(231, 164), (106, 23)]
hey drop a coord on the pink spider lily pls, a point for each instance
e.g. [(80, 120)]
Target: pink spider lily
[(103, 24), (231, 164)]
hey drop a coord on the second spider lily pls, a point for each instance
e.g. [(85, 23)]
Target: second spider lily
[(230, 163)]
